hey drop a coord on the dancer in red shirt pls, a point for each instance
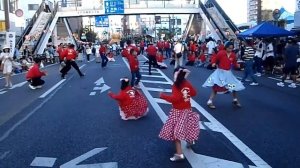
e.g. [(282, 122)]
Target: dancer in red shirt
[(70, 56), (133, 105), (134, 68), (191, 59), (222, 79), (182, 123), (34, 75)]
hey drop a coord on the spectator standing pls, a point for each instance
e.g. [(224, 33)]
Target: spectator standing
[(248, 58), (290, 59)]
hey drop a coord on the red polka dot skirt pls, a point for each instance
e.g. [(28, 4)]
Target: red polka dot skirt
[(181, 125), (138, 108)]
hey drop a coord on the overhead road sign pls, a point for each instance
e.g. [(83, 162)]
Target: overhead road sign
[(114, 6), (101, 21)]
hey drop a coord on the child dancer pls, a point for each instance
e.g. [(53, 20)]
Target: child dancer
[(34, 75), (182, 122), (222, 79), (132, 104)]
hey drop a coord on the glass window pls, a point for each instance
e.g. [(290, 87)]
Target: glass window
[(13, 6), (33, 7), (1, 5)]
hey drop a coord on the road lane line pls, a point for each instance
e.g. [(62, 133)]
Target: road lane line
[(57, 85), (157, 82), (152, 76), (198, 160), (52, 88)]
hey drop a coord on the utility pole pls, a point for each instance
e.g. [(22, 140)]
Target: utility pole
[(6, 15), (259, 11)]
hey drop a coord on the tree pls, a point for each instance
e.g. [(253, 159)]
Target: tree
[(90, 35)]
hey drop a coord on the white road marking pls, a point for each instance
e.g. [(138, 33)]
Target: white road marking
[(153, 76), (157, 82), (198, 160), (57, 85), (52, 88), (2, 92), (97, 88), (99, 81), (159, 90), (18, 85), (104, 88), (93, 93), (43, 162), (4, 155), (144, 71), (74, 163)]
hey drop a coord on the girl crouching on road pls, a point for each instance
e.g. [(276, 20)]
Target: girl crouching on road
[(34, 75), (182, 123), (132, 104)]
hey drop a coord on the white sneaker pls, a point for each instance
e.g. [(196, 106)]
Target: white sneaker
[(38, 87), (31, 87), (254, 84), (177, 157), (258, 74), (292, 85), (281, 84)]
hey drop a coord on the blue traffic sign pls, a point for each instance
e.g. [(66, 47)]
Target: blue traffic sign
[(114, 6), (101, 21)]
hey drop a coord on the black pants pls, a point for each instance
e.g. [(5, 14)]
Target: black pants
[(66, 69), (190, 63), (152, 61), (88, 57), (142, 50), (36, 82), (104, 60)]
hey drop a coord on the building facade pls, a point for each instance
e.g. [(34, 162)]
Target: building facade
[(260, 10)]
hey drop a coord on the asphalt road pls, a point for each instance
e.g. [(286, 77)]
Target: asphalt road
[(70, 122)]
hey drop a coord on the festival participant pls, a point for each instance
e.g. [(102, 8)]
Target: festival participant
[(34, 75), (70, 55), (201, 60), (103, 52), (152, 51), (191, 59), (160, 61), (134, 68), (6, 60), (132, 104), (182, 123), (222, 79)]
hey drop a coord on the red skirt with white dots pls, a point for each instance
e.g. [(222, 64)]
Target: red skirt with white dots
[(181, 125), (137, 109)]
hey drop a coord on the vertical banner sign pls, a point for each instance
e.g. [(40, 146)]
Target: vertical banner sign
[(101, 21), (11, 41)]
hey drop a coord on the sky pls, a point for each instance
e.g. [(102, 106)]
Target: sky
[(237, 9)]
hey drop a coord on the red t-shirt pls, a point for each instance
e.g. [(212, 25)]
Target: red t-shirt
[(167, 45), (160, 45), (202, 58), (69, 54), (102, 50), (221, 47), (192, 58), (225, 62), (133, 63), (193, 47), (34, 72), (180, 97), (124, 97), (152, 50), (159, 58)]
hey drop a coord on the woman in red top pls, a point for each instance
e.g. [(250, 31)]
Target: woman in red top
[(182, 122), (160, 61), (191, 59), (34, 75), (222, 79), (133, 105)]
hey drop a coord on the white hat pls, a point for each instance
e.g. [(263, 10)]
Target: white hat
[(5, 47)]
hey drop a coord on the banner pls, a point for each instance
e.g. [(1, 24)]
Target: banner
[(11, 41)]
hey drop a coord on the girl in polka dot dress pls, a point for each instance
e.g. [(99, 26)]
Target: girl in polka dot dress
[(132, 104), (182, 122)]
